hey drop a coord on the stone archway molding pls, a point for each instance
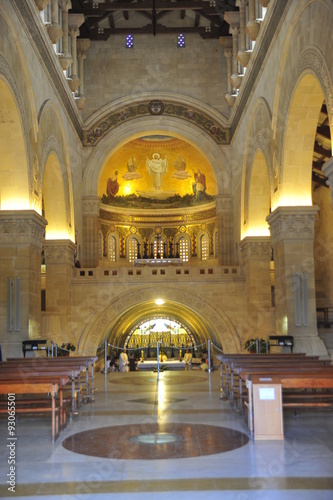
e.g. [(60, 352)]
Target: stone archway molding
[(218, 321)]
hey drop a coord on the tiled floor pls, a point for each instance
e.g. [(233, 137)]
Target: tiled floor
[(194, 446)]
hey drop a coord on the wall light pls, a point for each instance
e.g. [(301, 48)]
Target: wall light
[(159, 302)]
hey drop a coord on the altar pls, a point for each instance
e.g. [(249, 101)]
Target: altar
[(170, 364)]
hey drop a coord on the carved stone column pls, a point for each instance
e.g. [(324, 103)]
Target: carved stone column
[(54, 29), (226, 43), (233, 19), (327, 168), (243, 55), (90, 231), (21, 240), (59, 260), (292, 234), (75, 21), (65, 58), (252, 26), (83, 45), (256, 256), (225, 230)]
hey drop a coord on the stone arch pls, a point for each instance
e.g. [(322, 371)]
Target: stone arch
[(219, 324), (302, 62), (57, 181), (163, 124), (14, 77), (258, 174)]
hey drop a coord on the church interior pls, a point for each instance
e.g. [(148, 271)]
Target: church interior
[(166, 183)]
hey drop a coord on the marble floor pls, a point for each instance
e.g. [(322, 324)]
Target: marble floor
[(149, 436)]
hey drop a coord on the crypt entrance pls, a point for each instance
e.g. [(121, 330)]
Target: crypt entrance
[(173, 326)]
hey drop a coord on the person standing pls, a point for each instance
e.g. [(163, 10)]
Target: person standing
[(123, 362), (188, 360)]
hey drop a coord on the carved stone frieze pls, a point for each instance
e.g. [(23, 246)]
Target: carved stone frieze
[(292, 223), (256, 248), (223, 203), (22, 227), (91, 206), (59, 252), (117, 117)]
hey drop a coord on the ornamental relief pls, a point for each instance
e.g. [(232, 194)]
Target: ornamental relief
[(293, 227)]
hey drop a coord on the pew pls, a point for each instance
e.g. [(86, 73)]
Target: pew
[(86, 363), (27, 387)]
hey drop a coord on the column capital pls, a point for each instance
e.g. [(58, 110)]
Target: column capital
[(83, 45), (223, 203), (59, 252), (65, 5), (225, 42), (41, 4), (91, 206), (232, 18), (75, 21), (292, 223), (256, 248), (22, 227)]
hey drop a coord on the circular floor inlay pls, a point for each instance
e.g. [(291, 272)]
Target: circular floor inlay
[(134, 442)]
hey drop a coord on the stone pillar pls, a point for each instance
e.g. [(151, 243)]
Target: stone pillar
[(252, 26), (327, 168), (65, 58), (226, 42), (90, 232), (225, 230), (83, 45), (54, 29), (292, 234), (243, 55), (75, 21), (21, 240), (256, 256), (59, 261), (233, 19)]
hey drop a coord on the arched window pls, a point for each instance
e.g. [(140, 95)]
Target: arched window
[(132, 251), (158, 248), (184, 246), (100, 246), (216, 245), (204, 247), (112, 248)]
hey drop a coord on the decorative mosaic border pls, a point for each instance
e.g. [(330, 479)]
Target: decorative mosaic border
[(205, 122)]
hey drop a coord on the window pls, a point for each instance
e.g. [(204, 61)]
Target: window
[(184, 249), (204, 247), (112, 248), (132, 249)]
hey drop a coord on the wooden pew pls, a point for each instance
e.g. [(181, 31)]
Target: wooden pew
[(61, 380), (41, 387), (262, 365), (72, 372), (86, 363)]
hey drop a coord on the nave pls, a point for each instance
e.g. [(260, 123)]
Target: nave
[(147, 435)]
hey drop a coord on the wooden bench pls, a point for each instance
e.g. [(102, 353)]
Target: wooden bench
[(28, 387), (84, 363)]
